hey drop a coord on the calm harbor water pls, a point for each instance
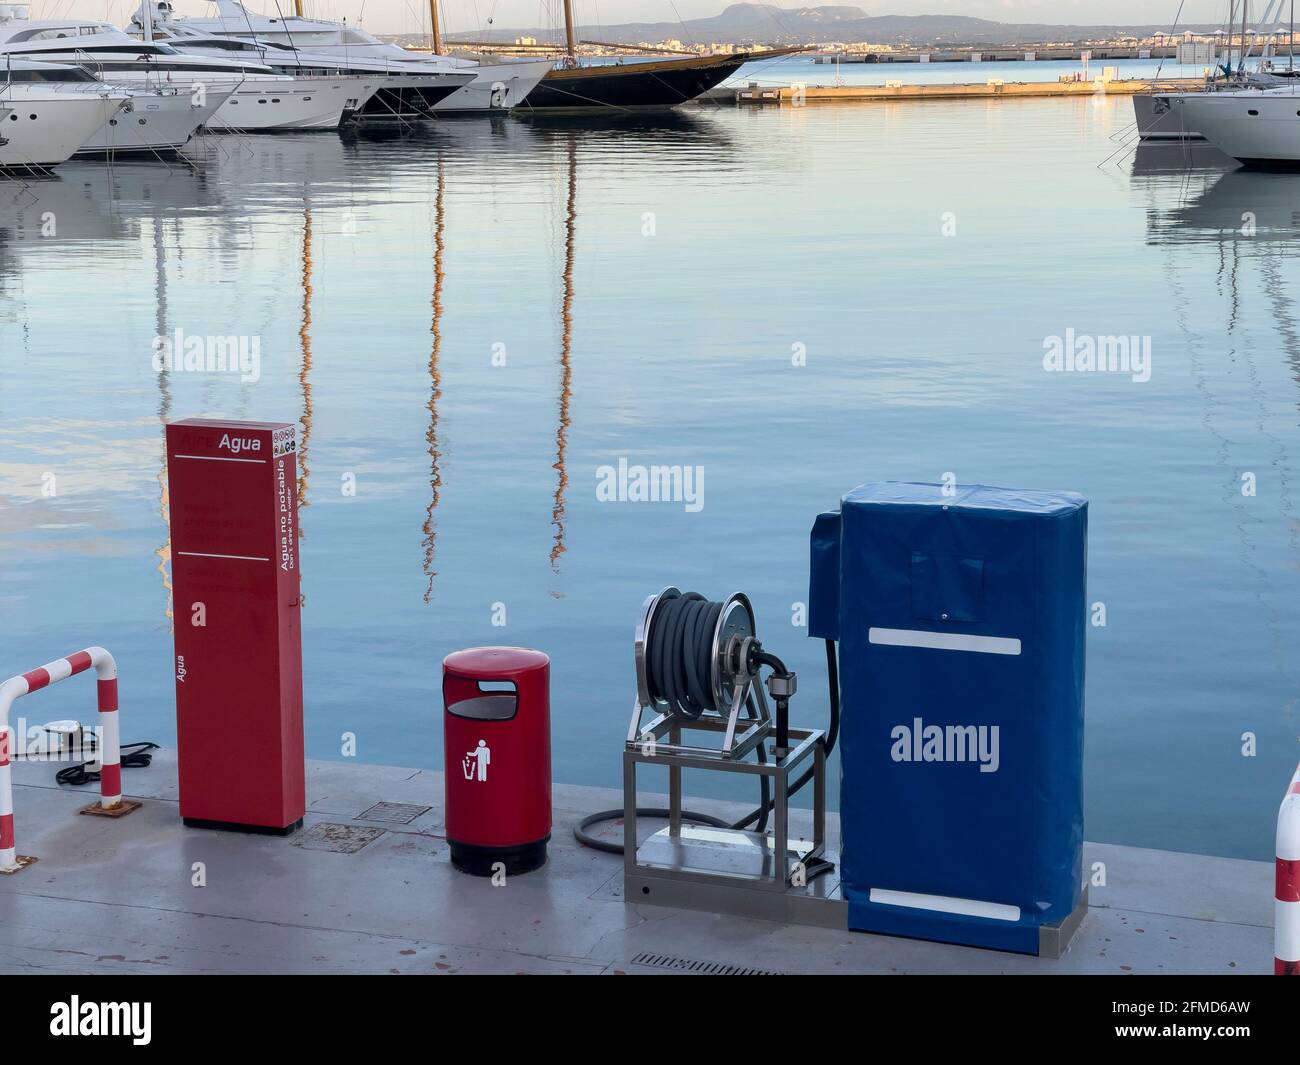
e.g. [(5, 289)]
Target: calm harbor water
[(645, 282)]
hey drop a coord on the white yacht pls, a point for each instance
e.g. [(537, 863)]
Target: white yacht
[(44, 122), (1157, 121), (403, 98), (153, 120), (258, 97), (494, 87), (1257, 127)]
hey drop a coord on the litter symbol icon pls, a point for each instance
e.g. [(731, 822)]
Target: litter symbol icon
[(475, 763)]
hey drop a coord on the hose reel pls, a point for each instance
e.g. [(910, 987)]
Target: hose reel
[(700, 660), (698, 666), (690, 652)]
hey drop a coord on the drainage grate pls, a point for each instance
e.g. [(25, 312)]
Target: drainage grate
[(397, 813), (343, 839), (700, 968)]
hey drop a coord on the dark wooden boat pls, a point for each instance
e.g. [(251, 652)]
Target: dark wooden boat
[(635, 85), (652, 84)]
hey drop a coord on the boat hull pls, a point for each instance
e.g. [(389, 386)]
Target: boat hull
[(37, 133), (1260, 129), (631, 86), (408, 98), (301, 104), (1156, 121), (497, 87), (152, 123)]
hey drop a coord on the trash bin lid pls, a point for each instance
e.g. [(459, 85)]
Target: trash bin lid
[(492, 663)]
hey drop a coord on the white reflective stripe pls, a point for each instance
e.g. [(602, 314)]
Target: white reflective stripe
[(6, 791), (8, 858), (105, 664), (111, 752), (218, 458), (944, 641), (241, 558), (1286, 931), (1288, 828), (996, 911), (60, 670)]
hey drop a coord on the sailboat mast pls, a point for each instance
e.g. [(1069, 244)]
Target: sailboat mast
[(568, 29), (1245, 11), (435, 44), (297, 8)]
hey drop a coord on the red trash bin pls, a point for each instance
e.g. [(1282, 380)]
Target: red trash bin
[(497, 751)]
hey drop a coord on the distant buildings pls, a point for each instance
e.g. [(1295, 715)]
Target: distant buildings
[(1159, 43)]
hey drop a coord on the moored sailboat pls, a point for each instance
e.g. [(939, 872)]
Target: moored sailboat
[(1158, 120), (1257, 127), (640, 85)]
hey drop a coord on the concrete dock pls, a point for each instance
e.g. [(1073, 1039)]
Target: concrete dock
[(795, 95), (369, 888)]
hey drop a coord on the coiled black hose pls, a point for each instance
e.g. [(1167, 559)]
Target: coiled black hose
[(679, 649)]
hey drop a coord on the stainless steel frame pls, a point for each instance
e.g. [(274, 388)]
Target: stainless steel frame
[(688, 853)]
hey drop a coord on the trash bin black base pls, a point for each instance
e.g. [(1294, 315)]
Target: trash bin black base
[(481, 861)]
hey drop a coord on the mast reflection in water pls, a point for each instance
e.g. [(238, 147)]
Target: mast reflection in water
[(776, 227)]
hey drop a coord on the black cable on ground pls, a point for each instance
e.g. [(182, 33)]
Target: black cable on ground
[(583, 836), (134, 756)]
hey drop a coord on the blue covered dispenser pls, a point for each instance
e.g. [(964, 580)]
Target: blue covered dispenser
[(960, 613)]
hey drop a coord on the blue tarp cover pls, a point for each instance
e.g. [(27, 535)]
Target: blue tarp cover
[(961, 621)]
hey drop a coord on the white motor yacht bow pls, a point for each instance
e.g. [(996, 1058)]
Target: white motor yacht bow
[(259, 98), (396, 97), (493, 87), (43, 123), (153, 120)]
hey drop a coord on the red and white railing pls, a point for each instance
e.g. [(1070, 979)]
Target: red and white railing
[(110, 779), (1286, 905)]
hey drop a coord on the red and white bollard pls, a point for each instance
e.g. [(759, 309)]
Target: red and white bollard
[(110, 780), (1286, 907)]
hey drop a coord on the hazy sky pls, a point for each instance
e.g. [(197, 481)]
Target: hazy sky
[(392, 16)]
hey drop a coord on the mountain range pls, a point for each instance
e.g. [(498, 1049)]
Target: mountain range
[(766, 24)]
